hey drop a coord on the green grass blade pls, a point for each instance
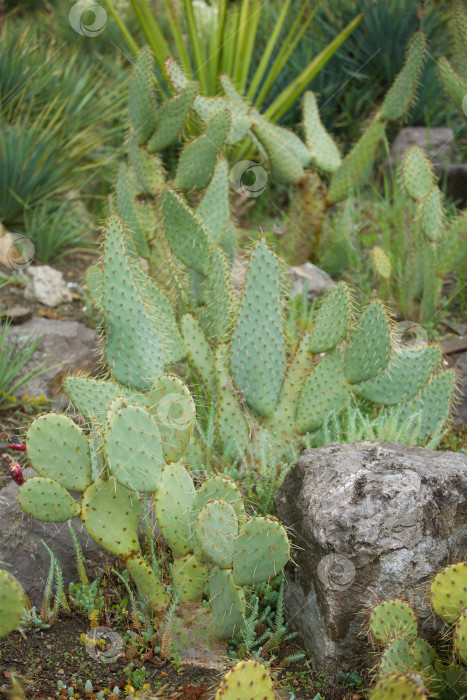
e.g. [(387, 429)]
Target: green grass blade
[(293, 91), (199, 50), (263, 64), (132, 45), (177, 34), (152, 32)]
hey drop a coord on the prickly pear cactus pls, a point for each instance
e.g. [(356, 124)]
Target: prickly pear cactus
[(448, 592), (392, 619), (247, 680), (11, 603)]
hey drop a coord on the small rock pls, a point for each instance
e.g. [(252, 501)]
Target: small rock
[(23, 555), (66, 346), (47, 286), (370, 521), (317, 281), (16, 314)]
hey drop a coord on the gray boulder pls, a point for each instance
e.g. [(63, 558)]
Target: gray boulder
[(316, 280), (370, 521), (66, 346), (23, 555)]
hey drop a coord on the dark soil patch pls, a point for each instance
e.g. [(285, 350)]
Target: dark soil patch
[(59, 654)]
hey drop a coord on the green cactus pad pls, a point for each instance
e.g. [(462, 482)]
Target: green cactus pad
[(396, 658), (192, 575), (141, 100), (460, 637), (381, 262), (261, 551), (282, 421), (400, 97), (148, 167), (231, 425), (396, 686), (332, 321), (176, 74), (111, 514), (227, 604), (172, 503), (357, 165), (416, 173), (91, 397), (324, 152), (245, 678), (199, 351), (171, 118), (134, 346), (11, 603), (198, 159), (161, 312), (58, 449), (284, 162), (214, 210), (433, 402), (422, 654), (134, 449), (257, 355), (369, 346), (129, 210), (147, 582), (324, 389), (431, 215), (216, 317), (392, 619), (47, 500), (172, 407), (454, 84), (186, 236), (93, 278), (216, 529), (405, 375), (219, 488), (448, 591)]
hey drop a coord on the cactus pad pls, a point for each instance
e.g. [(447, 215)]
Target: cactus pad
[(171, 119), (186, 236), (261, 551), (134, 449), (111, 515), (324, 389), (47, 500), (216, 529), (369, 345), (392, 619), (257, 358), (141, 100), (147, 582), (417, 173), (172, 407), (324, 152), (332, 321), (59, 450), (396, 658), (227, 603), (192, 575), (172, 504), (399, 98), (11, 603), (460, 637), (247, 680), (405, 375), (448, 591), (396, 686)]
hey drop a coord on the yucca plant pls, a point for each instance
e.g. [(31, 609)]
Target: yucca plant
[(224, 44)]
